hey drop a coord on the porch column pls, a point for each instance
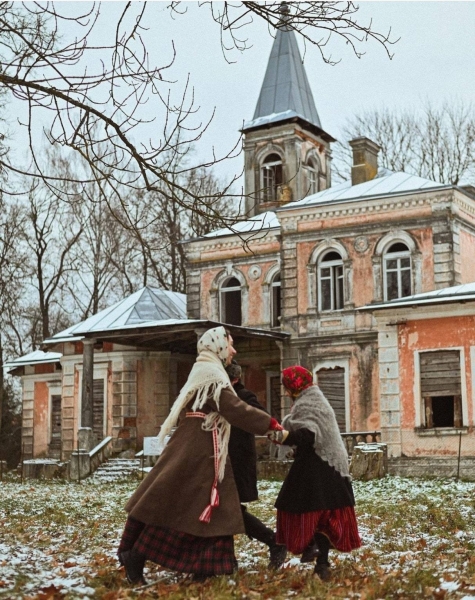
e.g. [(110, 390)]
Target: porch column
[(85, 431)]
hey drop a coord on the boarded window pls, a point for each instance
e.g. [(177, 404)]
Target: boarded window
[(98, 408), (332, 384), (55, 443), (230, 302), (441, 388)]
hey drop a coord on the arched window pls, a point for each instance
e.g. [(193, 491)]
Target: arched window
[(397, 271), (271, 171), (311, 172), (330, 281), (230, 302), (275, 301)]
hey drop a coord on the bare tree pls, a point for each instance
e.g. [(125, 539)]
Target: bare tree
[(152, 253), (316, 22), (51, 233), (437, 143), (95, 94)]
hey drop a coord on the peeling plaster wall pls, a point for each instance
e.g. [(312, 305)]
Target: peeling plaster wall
[(41, 429), (456, 332), (467, 251)]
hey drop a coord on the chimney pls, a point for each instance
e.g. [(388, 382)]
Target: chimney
[(365, 160)]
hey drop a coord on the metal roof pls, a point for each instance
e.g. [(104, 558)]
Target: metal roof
[(34, 358), (179, 335), (456, 293), (384, 184), (147, 305), (285, 87), (261, 223)]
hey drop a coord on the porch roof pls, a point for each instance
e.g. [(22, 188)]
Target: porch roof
[(457, 293), (176, 335)]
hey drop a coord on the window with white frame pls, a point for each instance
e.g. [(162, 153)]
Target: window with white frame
[(330, 282), (441, 389), (275, 300), (272, 178), (397, 271), (311, 171), (230, 302)]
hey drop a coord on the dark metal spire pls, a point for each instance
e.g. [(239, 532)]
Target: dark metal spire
[(285, 88)]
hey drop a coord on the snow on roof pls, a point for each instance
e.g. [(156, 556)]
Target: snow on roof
[(34, 358), (148, 304), (385, 183), (259, 224), (456, 293)]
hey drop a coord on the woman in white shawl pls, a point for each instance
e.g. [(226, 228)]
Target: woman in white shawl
[(184, 514)]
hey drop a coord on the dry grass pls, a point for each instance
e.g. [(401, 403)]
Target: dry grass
[(59, 540)]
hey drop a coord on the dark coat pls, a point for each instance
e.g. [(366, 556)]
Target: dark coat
[(242, 451), (312, 484), (177, 489)]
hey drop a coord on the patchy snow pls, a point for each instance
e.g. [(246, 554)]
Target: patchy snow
[(62, 538)]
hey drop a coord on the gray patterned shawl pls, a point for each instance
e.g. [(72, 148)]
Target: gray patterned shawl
[(312, 411)]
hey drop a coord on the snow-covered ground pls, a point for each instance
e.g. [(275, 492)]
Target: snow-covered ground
[(60, 539)]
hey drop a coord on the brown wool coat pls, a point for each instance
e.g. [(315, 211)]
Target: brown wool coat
[(177, 489)]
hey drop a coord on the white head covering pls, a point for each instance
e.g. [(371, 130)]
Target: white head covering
[(206, 380)]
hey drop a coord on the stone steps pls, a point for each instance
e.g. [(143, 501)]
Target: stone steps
[(117, 468)]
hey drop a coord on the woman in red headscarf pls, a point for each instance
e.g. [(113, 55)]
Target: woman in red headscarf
[(315, 507)]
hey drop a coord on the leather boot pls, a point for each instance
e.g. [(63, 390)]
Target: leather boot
[(134, 563)]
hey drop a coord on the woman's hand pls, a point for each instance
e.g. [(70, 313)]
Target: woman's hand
[(274, 425), (278, 437)]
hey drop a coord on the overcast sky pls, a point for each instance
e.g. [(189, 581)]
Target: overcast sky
[(434, 59)]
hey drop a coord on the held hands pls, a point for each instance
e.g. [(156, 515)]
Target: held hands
[(278, 437)]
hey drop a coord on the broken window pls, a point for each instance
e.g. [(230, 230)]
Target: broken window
[(276, 301), (230, 302), (311, 171), (271, 177), (397, 271), (441, 388), (330, 282)]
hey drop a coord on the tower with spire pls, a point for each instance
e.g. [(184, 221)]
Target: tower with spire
[(286, 151)]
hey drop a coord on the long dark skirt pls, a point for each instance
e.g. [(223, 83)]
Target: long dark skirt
[(296, 530), (180, 551)]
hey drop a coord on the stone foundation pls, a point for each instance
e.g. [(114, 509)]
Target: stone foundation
[(431, 466)]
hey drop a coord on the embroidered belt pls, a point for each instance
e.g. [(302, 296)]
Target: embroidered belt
[(205, 516)]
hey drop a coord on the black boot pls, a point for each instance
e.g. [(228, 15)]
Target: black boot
[(310, 553), (134, 563), (277, 555), (322, 568)]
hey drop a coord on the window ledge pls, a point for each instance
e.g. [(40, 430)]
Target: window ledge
[(437, 431)]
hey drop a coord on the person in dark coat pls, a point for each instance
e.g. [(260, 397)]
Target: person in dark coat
[(184, 514), (315, 506), (242, 452)]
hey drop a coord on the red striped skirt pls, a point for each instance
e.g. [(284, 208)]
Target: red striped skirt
[(296, 531), (180, 551)]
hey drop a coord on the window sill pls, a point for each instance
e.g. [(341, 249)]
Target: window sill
[(440, 431)]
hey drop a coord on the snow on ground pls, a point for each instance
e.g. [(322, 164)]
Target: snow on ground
[(63, 536)]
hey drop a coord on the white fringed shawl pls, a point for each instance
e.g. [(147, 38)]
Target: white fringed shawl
[(311, 410), (207, 379)]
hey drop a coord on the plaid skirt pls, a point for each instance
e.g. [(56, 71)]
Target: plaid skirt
[(296, 531), (180, 551)]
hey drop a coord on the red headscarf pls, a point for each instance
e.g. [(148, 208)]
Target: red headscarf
[(296, 379)]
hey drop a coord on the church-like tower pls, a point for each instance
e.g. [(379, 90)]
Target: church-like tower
[(286, 151)]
